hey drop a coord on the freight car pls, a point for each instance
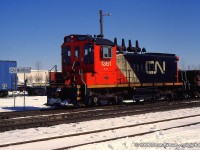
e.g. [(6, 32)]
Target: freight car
[(36, 90), (191, 82), (96, 70), (7, 80)]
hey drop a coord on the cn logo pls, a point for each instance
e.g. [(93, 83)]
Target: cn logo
[(152, 67), (4, 86), (106, 63)]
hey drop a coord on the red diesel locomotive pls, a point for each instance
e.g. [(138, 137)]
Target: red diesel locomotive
[(96, 70)]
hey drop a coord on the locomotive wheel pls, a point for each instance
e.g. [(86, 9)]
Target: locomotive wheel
[(88, 102), (92, 101), (175, 97), (95, 101), (137, 101), (171, 97), (155, 98), (114, 100), (120, 100)]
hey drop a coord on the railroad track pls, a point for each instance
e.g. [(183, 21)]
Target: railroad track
[(17, 114), (84, 135), (91, 114)]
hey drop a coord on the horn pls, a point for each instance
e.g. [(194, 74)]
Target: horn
[(136, 44), (115, 41), (129, 44), (123, 43)]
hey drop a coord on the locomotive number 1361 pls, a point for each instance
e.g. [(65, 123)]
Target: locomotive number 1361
[(106, 63)]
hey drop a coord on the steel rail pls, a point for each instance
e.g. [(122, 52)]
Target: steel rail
[(107, 129), (55, 119)]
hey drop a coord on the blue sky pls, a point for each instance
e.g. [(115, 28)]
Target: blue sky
[(32, 31)]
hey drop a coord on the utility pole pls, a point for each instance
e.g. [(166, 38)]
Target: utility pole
[(101, 21)]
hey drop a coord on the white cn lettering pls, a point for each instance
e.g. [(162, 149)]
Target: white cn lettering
[(4, 86), (152, 67), (105, 63)]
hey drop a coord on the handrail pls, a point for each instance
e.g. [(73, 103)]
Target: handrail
[(55, 66)]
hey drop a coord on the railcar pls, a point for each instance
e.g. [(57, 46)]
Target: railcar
[(191, 82), (96, 70), (8, 79)]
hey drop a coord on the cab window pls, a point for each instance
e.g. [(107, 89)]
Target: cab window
[(66, 53), (77, 51), (106, 51), (88, 54)]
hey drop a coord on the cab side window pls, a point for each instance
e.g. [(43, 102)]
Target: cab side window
[(106, 52), (88, 54), (66, 54), (77, 51)]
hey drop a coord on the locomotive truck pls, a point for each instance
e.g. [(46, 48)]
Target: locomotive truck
[(96, 70)]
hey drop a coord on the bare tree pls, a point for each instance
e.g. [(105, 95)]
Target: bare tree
[(189, 67), (38, 77), (38, 65), (183, 64), (46, 78), (30, 79)]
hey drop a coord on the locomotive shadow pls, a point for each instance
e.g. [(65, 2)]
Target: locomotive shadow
[(21, 108)]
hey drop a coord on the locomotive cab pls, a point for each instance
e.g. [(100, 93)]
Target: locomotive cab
[(86, 61)]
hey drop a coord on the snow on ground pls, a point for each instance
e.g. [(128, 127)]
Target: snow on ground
[(183, 135), (31, 103)]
